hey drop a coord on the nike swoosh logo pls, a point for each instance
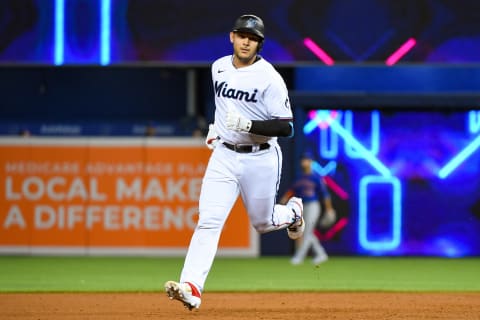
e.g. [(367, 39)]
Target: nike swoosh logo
[(220, 71)]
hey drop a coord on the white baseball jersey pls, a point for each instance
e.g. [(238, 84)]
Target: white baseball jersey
[(257, 92)]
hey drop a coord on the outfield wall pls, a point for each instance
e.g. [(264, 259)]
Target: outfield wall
[(90, 196)]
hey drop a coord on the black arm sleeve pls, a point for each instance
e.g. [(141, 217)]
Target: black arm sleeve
[(272, 128)]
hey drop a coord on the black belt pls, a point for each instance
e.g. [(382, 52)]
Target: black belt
[(246, 148)]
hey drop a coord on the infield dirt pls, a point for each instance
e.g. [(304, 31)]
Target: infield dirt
[(295, 305)]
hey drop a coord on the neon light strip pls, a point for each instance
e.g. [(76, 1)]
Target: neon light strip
[(459, 158), (363, 211), (339, 225), (312, 124), (403, 50), (336, 188), (59, 49), (367, 155), (323, 171), (320, 119), (105, 25), (473, 121), (322, 55), (328, 144), (374, 135)]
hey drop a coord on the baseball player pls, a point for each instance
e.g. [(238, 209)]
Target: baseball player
[(311, 188), (252, 110)]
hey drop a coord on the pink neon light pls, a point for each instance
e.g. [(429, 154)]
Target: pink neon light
[(322, 55), (335, 187), (313, 113), (339, 225), (323, 124), (403, 50)]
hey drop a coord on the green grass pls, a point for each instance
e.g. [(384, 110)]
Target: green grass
[(139, 274)]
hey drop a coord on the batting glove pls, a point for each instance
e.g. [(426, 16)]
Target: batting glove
[(237, 122), (212, 137)]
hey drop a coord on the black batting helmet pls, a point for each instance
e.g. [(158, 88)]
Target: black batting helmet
[(251, 24)]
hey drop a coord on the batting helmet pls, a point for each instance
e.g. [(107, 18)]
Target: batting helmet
[(251, 24)]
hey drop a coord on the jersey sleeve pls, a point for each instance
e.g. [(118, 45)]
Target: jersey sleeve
[(277, 99)]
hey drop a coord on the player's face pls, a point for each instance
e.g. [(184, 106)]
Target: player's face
[(245, 47), (306, 165)]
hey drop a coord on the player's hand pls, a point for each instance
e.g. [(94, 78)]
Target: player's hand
[(212, 137), (237, 122), (328, 218)]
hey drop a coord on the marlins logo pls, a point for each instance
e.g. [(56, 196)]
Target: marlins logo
[(251, 23)]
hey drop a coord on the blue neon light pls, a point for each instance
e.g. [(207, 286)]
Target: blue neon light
[(374, 133), (321, 117), (379, 206), (59, 49), (328, 144), (363, 211), (366, 154), (459, 158), (474, 121), (329, 168), (105, 32)]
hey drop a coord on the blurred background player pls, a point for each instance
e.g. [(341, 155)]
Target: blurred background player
[(311, 188)]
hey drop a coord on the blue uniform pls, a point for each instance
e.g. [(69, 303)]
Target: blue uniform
[(310, 187)]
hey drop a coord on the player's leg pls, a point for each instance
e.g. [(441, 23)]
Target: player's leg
[(218, 194), (311, 213), (319, 253), (259, 186)]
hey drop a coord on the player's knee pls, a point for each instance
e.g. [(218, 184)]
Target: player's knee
[(210, 222)]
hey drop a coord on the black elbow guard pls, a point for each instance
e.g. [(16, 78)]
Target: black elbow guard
[(272, 128)]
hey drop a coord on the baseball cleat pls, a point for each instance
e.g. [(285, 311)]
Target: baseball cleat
[(296, 228), (296, 261), (184, 292), (320, 259)]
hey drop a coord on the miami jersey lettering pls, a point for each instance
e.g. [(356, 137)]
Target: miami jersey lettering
[(257, 92)]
